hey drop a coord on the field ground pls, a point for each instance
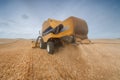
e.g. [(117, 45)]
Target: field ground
[(97, 61)]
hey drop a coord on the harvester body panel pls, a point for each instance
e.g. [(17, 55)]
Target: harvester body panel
[(72, 26)]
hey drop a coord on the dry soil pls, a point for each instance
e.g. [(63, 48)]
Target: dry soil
[(97, 61)]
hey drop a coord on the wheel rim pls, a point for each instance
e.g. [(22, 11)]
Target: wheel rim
[(48, 48)]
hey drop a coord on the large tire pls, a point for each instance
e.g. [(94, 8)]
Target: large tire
[(50, 47), (42, 44)]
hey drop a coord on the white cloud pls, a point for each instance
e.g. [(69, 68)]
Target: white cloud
[(24, 19)]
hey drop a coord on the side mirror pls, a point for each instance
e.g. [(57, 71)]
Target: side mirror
[(40, 33)]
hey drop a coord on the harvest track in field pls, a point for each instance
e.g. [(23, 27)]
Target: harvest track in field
[(97, 61)]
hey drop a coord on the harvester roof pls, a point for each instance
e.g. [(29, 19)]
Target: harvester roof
[(79, 25), (50, 23)]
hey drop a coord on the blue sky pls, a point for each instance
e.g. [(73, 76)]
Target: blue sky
[(24, 18)]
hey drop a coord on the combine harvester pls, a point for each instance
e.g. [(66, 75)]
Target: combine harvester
[(73, 30)]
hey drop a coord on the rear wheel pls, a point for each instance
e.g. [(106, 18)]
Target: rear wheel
[(42, 44), (50, 47)]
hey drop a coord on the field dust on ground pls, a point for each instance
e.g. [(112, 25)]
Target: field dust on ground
[(99, 60)]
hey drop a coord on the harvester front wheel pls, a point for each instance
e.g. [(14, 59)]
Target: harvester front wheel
[(42, 44), (50, 47)]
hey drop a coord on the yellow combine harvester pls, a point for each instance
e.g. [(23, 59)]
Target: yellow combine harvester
[(72, 30)]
